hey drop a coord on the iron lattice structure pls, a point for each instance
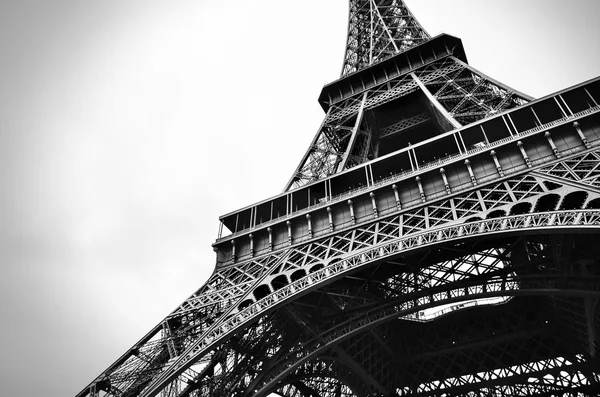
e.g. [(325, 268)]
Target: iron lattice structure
[(439, 237)]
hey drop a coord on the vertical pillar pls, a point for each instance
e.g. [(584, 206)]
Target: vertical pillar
[(485, 137), (461, 141), (581, 136), (561, 108), (591, 97), (552, 145), (508, 126), (412, 166), (537, 119), (233, 250), (374, 204), (415, 158), (498, 167), (352, 218), (367, 176), (270, 231), (421, 192), (330, 216), (566, 104), (398, 204), (289, 227), (310, 233), (458, 144), (446, 185), (251, 237), (473, 180), (524, 154)]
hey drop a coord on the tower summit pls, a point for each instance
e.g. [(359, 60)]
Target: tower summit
[(439, 237)]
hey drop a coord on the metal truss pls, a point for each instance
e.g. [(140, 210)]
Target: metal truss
[(378, 29), (362, 310), (581, 169), (490, 262), (557, 375), (189, 339), (348, 138), (205, 342), (486, 288), (362, 321), (469, 96)]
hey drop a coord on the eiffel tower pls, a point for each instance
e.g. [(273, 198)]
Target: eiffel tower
[(439, 237)]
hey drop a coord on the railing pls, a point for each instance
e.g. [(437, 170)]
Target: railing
[(410, 204), (427, 166), (558, 122), (438, 162), (426, 316)]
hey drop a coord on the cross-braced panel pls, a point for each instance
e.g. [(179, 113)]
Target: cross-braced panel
[(584, 169), (469, 96), (378, 29)]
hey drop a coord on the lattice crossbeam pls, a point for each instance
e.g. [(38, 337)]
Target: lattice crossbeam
[(378, 29)]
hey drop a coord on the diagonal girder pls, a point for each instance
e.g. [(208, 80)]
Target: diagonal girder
[(378, 29)]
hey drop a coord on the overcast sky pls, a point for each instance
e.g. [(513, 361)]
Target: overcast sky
[(128, 127)]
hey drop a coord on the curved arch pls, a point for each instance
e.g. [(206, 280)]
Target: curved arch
[(297, 275), (496, 214), (261, 291), (334, 259), (547, 202), (317, 267), (472, 219), (520, 208), (512, 225), (573, 201), (245, 304), (593, 204), (279, 282)]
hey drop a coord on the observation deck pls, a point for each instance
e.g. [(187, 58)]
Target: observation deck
[(509, 143)]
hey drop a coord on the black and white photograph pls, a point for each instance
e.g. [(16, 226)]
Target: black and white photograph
[(325, 198)]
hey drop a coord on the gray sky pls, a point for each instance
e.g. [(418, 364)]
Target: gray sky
[(128, 127)]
